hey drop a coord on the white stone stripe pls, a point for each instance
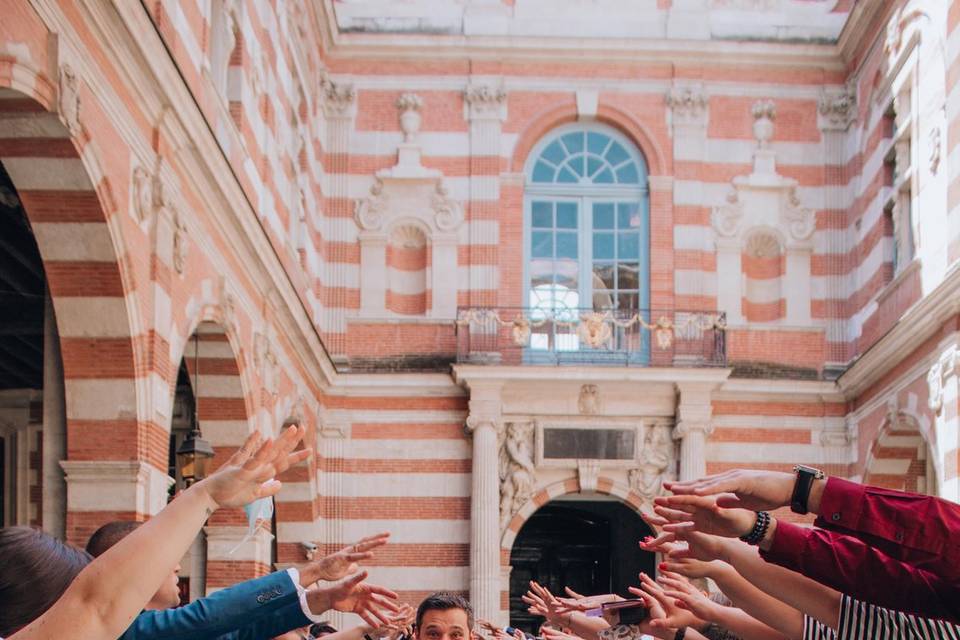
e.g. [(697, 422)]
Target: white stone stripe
[(406, 449), (892, 466), (689, 237), (92, 317), (48, 174), (764, 291), (768, 452), (421, 578), (226, 433), (716, 192), (695, 283), (395, 416), (406, 282), (31, 125), (87, 399), (401, 531), (776, 422), (374, 485)]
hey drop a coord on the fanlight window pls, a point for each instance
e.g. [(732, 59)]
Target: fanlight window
[(586, 157)]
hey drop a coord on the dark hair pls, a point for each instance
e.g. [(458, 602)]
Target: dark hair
[(36, 570), (444, 601), (318, 629), (109, 535)]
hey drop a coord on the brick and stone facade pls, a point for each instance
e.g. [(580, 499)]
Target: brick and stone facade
[(308, 192)]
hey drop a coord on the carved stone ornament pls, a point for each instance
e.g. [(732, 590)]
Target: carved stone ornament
[(409, 105), (181, 246), (69, 99), (587, 473), (369, 212), (448, 213), (517, 472), (799, 220), (588, 404), (902, 18), (266, 362), (685, 427), (727, 217), (687, 104), (838, 110), (338, 98), (653, 463), (935, 150), (764, 113), (943, 368), (227, 304), (475, 422), (148, 194), (484, 100)]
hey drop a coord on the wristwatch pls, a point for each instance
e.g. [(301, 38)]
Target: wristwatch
[(801, 488)]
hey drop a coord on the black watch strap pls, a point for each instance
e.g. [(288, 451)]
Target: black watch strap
[(801, 487)]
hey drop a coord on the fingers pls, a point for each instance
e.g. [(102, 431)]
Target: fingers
[(268, 489), (387, 593), (357, 557), (573, 594), (656, 543), (673, 515), (240, 457), (729, 501), (653, 519), (372, 542)]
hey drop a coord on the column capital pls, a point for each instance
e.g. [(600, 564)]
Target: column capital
[(837, 109), (475, 423), (484, 101), (686, 427), (688, 105)]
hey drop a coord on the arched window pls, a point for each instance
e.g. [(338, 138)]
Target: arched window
[(586, 230)]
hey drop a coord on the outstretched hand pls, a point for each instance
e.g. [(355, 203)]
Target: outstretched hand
[(687, 597), (703, 514), (344, 562), (376, 605), (673, 617), (543, 603), (754, 490), (249, 473)]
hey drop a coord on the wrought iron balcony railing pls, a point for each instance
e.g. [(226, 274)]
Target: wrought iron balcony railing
[(641, 338)]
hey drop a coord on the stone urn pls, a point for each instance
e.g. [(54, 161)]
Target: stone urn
[(764, 113), (409, 106)]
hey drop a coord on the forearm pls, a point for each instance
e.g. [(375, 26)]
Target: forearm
[(747, 627), (799, 592), (758, 604), (109, 593), (584, 626)]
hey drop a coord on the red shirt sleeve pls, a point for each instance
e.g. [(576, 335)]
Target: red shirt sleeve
[(906, 526), (866, 573)]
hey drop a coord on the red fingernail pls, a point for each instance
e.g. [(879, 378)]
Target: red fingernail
[(662, 566)]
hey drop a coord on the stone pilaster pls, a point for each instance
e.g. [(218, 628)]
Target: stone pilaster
[(485, 425), (837, 111), (694, 425), (54, 501), (485, 108)]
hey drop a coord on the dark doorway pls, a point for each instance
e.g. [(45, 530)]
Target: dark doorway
[(589, 546)]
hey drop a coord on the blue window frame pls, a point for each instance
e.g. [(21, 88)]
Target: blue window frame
[(587, 229)]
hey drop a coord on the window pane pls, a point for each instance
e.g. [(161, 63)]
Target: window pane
[(628, 245), (603, 246), (602, 299), (627, 301), (566, 245), (566, 215), (541, 273), (603, 276), (628, 275), (573, 142), (567, 176), (542, 172), (616, 154), (604, 177), (568, 281), (627, 174), (628, 216), (567, 272), (593, 165), (541, 245), (603, 215), (542, 215), (554, 153), (597, 143)]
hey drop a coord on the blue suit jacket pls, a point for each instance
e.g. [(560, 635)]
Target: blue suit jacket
[(252, 610)]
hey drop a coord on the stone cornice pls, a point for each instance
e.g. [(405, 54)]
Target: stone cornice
[(145, 65), (472, 374), (921, 321)]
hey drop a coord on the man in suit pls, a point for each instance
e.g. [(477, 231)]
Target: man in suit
[(261, 608)]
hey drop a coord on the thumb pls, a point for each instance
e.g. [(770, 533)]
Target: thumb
[(350, 582)]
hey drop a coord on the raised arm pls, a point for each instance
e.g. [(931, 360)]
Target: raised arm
[(106, 596)]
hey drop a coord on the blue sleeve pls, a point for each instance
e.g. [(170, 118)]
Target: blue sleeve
[(246, 611)]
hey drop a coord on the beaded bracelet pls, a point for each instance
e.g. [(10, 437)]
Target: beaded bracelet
[(759, 529)]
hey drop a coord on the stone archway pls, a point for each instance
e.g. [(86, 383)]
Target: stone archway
[(901, 458), (116, 459), (579, 541)]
